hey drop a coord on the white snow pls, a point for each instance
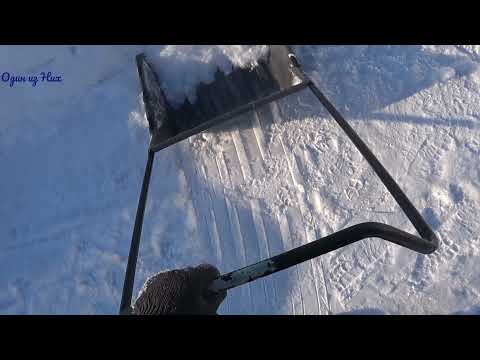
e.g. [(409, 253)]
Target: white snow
[(182, 67), (73, 157)]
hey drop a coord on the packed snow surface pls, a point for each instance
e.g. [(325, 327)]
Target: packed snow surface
[(73, 154)]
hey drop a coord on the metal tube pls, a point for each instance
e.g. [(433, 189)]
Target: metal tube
[(319, 247), (135, 245)]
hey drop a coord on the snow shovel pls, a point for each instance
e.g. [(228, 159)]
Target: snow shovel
[(276, 75)]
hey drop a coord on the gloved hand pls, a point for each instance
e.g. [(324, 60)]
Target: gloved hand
[(181, 291)]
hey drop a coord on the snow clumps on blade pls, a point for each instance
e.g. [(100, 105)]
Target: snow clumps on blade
[(181, 68)]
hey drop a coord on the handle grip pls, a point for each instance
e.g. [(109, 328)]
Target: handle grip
[(322, 246)]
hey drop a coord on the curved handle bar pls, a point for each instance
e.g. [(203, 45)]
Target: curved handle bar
[(322, 246)]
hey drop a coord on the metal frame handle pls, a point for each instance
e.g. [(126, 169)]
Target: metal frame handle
[(135, 244), (425, 244), (319, 247)]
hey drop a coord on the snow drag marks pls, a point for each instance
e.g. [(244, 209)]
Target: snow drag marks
[(257, 200)]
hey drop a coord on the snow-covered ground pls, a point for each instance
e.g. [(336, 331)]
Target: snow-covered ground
[(72, 157)]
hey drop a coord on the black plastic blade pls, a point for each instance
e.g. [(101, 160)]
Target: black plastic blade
[(276, 75)]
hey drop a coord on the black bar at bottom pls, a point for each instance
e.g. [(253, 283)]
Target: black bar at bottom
[(319, 247), (137, 232)]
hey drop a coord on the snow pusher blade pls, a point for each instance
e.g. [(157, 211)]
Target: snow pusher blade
[(276, 75)]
